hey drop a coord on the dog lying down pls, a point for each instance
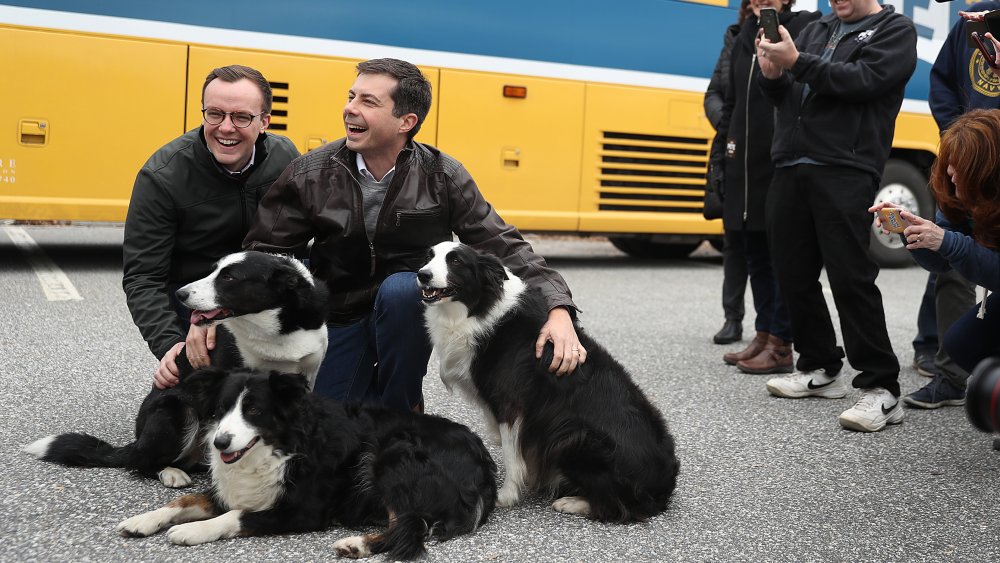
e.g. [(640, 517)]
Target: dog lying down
[(286, 460), (590, 438), (270, 315)]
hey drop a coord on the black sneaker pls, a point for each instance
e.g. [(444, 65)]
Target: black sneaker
[(730, 332), (940, 392), (923, 362)]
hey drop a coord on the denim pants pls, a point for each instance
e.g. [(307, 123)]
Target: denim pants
[(382, 358)]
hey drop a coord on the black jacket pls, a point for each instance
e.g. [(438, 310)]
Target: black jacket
[(747, 127), (431, 196), (850, 113), (716, 92), (185, 214)]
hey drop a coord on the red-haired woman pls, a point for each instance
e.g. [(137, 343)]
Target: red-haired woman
[(965, 236)]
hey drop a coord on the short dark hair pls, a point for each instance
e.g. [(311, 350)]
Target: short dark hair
[(412, 94), (235, 73)]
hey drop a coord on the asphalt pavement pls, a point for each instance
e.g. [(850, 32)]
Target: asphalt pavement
[(762, 479)]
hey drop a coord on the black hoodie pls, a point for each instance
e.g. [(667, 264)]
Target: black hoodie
[(849, 116)]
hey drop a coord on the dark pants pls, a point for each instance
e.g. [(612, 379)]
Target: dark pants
[(734, 276), (381, 359), (768, 304), (954, 296), (971, 339), (817, 217), (926, 340)]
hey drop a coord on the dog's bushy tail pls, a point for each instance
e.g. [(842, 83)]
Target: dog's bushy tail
[(404, 540), (82, 450)]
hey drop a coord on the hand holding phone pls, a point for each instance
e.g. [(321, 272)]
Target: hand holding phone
[(769, 23), (986, 47)]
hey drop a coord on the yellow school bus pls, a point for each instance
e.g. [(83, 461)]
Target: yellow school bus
[(609, 138)]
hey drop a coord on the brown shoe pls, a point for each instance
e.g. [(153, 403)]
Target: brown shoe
[(754, 348), (776, 357)]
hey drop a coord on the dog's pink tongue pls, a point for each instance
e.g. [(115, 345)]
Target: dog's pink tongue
[(198, 316), (228, 457)]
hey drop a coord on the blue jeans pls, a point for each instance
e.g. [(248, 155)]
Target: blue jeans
[(382, 358)]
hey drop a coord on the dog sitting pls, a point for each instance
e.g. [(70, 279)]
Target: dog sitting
[(270, 314), (286, 460), (591, 437)]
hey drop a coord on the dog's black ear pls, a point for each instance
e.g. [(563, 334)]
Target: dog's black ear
[(491, 271), (288, 387), (286, 276)]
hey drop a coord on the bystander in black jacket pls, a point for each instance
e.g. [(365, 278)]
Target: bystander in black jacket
[(849, 115), (747, 126)]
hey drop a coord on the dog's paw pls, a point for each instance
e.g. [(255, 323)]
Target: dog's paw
[(203, 531), (572, 505), (174, 478), (193, 533), (508, 495), (142, 525), (354, 547)]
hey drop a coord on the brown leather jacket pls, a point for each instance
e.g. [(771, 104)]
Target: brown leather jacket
[(430, 197)]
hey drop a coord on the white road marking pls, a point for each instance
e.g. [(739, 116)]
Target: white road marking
[(55, 284)]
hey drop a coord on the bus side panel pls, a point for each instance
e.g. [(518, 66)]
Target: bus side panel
[(916, 131), (524, 153), (309, 92), (81, 114), (645, 156)]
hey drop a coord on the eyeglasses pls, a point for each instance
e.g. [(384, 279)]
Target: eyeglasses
[(240, 119)]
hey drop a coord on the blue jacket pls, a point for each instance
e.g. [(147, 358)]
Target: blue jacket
[(960, 78), (959, 251)]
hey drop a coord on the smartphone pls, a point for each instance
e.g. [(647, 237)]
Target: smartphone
[(892, 221), (985, 46), (992, 20), (769, 23), (978, 27)]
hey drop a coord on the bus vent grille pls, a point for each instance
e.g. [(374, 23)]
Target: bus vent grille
[(658, 173), (279, 107)]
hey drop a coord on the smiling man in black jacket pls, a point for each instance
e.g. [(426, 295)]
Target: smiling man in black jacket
[(838, 89), (192, 203)]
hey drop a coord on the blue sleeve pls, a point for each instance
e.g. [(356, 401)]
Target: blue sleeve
[(976, 263), (945, 97)]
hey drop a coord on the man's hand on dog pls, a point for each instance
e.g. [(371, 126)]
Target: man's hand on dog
[(167, 374), (199, 342), (567, 350)]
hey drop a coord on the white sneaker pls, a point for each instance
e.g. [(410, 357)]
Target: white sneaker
[(808, 384), (876, 408)]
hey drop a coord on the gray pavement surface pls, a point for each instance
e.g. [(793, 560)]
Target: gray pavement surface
[(762, 479)]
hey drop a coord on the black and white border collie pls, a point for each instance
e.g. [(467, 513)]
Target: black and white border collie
[(270, 314), (590, 438), (286, 460)]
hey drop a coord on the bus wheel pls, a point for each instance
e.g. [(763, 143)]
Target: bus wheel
[(904, 186), (645, 248)]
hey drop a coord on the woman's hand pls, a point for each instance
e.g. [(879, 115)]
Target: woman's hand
[(922, 233)]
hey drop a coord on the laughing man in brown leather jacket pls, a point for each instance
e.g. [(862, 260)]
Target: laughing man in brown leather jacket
[(373, 203)]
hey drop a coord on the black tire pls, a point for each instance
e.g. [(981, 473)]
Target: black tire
[(905, 186), (645, 248)]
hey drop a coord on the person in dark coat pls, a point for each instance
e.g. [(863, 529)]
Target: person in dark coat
[(745, 132), (734, 263)]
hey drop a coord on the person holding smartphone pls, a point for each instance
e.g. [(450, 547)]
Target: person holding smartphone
[(965, 237), (734, 264), (745, 131), (837, 88)]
